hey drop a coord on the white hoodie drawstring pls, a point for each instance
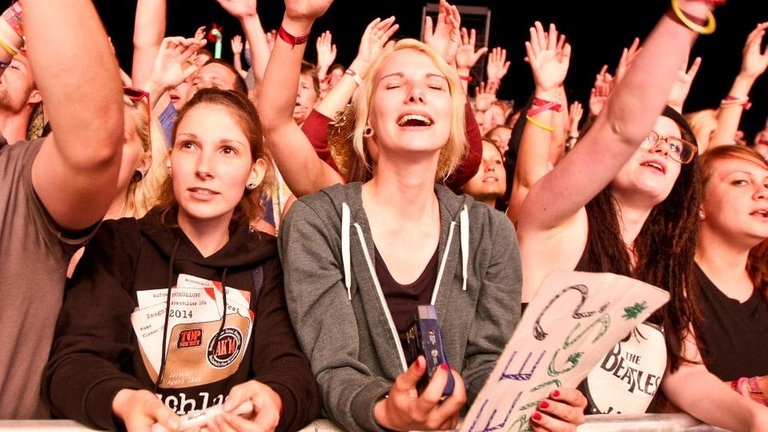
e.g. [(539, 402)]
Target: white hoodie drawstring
[(464, 228), (345, 255)]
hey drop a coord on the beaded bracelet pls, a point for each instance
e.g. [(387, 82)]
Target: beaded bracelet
[(291, 39), (539, 124), (690, 22)]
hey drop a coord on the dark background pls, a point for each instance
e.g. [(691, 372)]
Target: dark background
[(597, 30)]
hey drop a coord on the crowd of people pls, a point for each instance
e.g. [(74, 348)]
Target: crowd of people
[(196, 232)]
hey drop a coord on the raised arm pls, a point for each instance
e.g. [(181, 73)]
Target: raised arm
[(326, 54), (82, 154), (148, 33), (635, 103), (753, 64), (549, 60), (292, 151), (245, 11), (236, 43)]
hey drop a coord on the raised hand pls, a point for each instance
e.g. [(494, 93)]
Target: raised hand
[(326, 51), (173, 65), (575, 113), (627, 56), (600, 92), (445, 37), (200, 33), (754, 62), (497, 66), (466, 55), (549, 56), (374, 39), (306, 10), (237, 45), (485, 96), (239, 8), (682, 85)]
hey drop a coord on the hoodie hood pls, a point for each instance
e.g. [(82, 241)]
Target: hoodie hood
[(240, 250)]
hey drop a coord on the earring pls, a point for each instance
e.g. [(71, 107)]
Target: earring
[(701, 214), (168, 167), (137, 176), (368, 132), (251, 185)]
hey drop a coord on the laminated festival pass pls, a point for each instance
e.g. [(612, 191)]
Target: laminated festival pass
[(574, 320)]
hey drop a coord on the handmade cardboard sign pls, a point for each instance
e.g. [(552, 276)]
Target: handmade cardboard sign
[(574, 320)]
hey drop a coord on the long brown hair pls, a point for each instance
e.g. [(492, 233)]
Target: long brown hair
[(665, 246)]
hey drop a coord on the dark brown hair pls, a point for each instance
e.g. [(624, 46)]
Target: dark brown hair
[(665, 246)]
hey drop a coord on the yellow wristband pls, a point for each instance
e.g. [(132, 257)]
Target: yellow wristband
[(705, 30), (9, 49), (539, 124)]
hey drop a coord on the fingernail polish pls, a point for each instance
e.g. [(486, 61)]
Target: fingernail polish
[(544, 404), (556, 393), (536, 416), (444, 366)]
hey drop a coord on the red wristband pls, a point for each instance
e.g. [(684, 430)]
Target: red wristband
[(541, 105), (291, 39)]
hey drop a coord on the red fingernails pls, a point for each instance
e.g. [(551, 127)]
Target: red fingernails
[(556, 393), (536, 416), (544, 404), (444, 366)]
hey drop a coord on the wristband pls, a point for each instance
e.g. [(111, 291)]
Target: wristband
[(9, 49), (539, 124), (291, 39), (693, 23), (355, 77), (541, 105), (12, 16), (730, 101)]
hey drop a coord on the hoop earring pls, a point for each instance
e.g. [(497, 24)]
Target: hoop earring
[(137, 176), (368, 132)]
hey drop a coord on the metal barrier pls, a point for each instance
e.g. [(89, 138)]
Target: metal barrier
[(594, 423)]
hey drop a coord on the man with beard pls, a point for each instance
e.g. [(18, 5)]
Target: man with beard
[(18, 99)]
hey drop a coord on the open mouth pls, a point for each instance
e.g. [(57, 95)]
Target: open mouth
[(654, 165), (414, 120)]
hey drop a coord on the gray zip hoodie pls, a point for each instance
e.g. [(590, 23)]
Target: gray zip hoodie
[(340, 313)]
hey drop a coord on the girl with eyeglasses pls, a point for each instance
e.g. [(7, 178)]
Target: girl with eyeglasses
[(625, 200)]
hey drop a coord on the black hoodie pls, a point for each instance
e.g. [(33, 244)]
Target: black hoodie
[(96, 350)]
